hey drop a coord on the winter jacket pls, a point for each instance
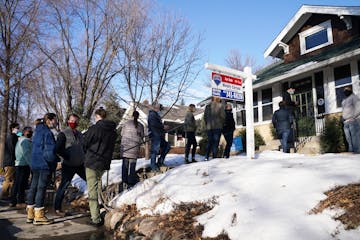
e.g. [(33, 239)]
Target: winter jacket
[(23, 152), (155, 125), (190, 123), (131, 139), (351, 107), (282, 119), (43, 156), (69, 145), (229, 124), (99, 143), (9, 153), (214, 116)]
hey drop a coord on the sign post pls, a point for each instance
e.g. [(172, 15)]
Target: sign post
[(249, 77)]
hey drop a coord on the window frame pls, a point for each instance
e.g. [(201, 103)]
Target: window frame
[(340, 87), (265, 104), (311, 31)]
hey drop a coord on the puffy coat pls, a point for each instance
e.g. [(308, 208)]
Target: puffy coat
[(214, 116), (155, 125), (229, 124), (43, 156), (190, 123), (131, 139), (282, 119), (99, 143), (69, 145), (9, 153)]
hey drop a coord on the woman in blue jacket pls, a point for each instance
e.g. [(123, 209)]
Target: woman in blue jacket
[(43, 162)]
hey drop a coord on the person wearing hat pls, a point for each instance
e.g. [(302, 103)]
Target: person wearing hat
[(351, 118)]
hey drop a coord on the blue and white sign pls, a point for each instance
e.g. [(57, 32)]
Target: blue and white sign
[(227, 94)]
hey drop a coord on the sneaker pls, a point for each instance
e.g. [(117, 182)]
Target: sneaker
[(60, 213), (206, 159), (99, 224)]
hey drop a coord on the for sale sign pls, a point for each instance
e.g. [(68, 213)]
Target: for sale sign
[(227, 87)]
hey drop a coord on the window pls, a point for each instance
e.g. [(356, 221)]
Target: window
[(256, 108), (342, 77), (267, 108), (316, 37)]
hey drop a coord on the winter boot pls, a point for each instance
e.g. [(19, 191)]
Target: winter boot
[(30, 213), (40, 218)]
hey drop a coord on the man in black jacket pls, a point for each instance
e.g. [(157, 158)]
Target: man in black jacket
[(228, 129), (282, 120), (9, 160), (69, 147), (99, 143)]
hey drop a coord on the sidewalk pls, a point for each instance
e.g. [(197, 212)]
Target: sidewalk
[(13, 226)]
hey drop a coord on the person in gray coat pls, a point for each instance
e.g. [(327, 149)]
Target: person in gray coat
[(214, 117), (190, 128), (282, 120), (351, 118), (132, 137)]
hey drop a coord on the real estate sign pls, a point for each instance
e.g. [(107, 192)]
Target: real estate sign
[(227, 87)]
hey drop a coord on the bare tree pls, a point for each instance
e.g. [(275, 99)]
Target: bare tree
[(235, 60), (18, 27), (81, 55)]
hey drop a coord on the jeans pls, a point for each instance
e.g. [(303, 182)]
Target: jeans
[(93, 179), (22, 174), (67, 174), (283, 136), (213, 142), (128, 174), (158, 143), (191, 141), (40, 180), (229, 140), (352, 135)]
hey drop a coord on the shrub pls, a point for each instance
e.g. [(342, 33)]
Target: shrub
[(259, 140), (332, 139)]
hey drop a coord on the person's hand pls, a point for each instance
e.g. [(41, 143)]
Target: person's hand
[(166, 127)]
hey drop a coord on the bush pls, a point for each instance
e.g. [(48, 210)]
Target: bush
[(333, 139), (306, 126), (259, 140)]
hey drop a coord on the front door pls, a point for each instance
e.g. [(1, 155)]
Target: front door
[(305, 113)]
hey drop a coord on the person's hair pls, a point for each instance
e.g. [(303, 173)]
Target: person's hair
[(348, 88), (38, 121), (136, 117), (49, 116), (14, 125), (282, 104), (72, 115), (26, 129), (101, 112), (215, 99)]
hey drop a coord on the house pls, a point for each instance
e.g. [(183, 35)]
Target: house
[(318, 54), (173, 117)]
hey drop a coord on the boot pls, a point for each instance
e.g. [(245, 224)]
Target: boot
[(40, 218), (30, 213)]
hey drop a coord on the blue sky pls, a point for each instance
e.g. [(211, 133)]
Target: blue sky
[(247, 26)]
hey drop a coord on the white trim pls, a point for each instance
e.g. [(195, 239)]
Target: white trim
[(322, 26), (301, 17)]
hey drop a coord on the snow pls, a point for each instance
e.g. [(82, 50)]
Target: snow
[(268, 197)]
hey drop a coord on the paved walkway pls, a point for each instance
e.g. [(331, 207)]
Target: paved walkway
[(13, 226)]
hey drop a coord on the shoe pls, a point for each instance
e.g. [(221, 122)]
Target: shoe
[(60, 213), (187, 160), (206, 159), (30, 213), (193, 160), (99, 224), (40, 218), (12, 205)]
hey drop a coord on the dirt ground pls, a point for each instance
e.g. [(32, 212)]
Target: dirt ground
[(347, 198)]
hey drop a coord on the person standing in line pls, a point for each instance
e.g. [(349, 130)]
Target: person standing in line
[(99, 143), (351, 117), (282, 120), (69, 148), (190, 129), (132, 137), (22, 167), (214, 117), (157, 137), (43, 163), (9, 161), (228, 129)]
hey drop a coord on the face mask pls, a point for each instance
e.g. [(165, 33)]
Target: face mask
[(347, 93), (72, 125), (19, 134)]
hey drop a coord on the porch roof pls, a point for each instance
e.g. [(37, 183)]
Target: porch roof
[(307, 63)]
